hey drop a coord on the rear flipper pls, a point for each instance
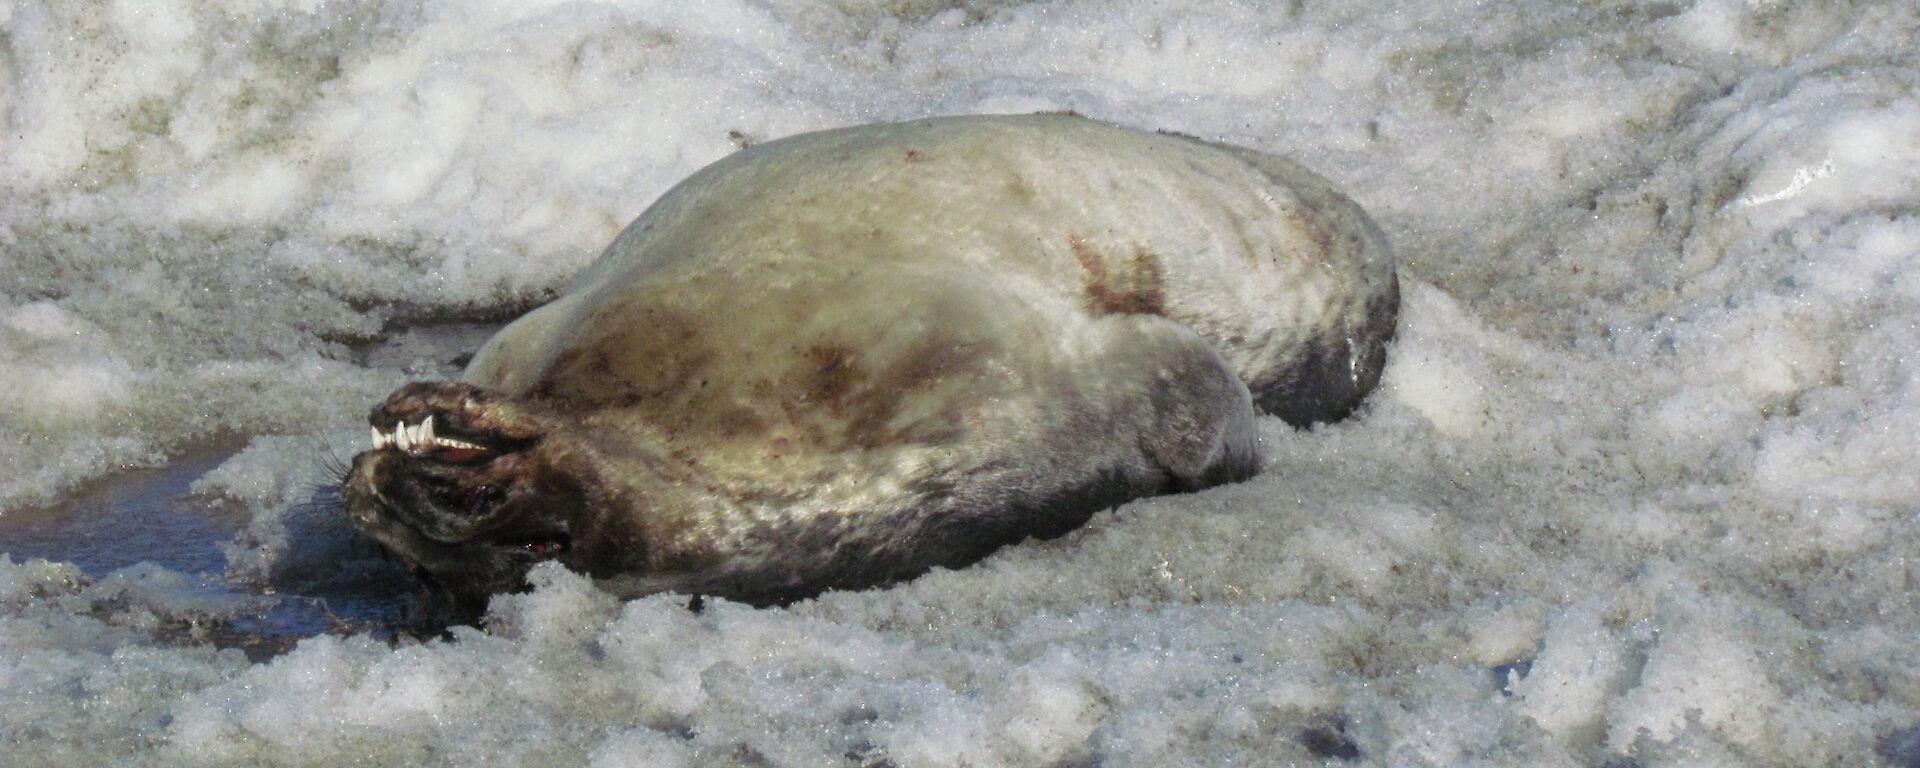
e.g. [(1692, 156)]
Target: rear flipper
[(1330, 374)]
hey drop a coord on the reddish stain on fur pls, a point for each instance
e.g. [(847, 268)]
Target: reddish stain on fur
[(1132, 285)]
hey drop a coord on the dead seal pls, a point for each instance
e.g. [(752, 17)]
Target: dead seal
[(840, 359)]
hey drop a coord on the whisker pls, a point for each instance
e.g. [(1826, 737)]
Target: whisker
[(322, 499), (324, 494), (334, 466)]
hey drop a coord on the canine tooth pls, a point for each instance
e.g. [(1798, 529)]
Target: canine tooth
[(420, 436)]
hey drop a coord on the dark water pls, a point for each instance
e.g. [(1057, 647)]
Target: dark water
[(142, 515), (149, 516), (331, 581)]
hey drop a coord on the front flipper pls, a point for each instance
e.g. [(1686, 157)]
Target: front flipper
[(1198, 426)]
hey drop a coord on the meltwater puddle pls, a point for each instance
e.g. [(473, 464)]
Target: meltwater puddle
[(152, 554), (149, 555), (142, 515)]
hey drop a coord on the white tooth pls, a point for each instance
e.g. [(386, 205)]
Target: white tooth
[(426, 432), (376, 437), (403, 436)]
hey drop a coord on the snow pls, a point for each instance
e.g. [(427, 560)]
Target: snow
[(1639, 486)]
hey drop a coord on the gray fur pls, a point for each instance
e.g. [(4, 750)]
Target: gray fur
[(841, 358)]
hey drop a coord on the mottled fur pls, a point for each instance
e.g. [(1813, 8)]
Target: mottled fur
[(840, 359)]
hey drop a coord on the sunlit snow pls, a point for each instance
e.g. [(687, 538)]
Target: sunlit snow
[(1640, 487)]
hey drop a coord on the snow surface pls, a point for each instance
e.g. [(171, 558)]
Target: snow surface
[(1640, 487)]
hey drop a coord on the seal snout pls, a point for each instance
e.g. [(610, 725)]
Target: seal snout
[(456, 472)]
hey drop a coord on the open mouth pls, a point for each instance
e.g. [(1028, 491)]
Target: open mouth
[(425, 440), (448, 489), (539, 544), (456, 473)]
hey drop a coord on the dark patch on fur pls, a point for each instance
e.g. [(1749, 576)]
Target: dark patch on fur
[(863, 396), (831, 552), (1312, 224), (644, 359), (1329, 380), (1133, 286), (831, 392), (1059, 513), (834, 374)]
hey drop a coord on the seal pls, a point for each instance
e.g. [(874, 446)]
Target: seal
[(840, 359)]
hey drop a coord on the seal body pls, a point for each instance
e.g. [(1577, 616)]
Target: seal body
[(840, 359)]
